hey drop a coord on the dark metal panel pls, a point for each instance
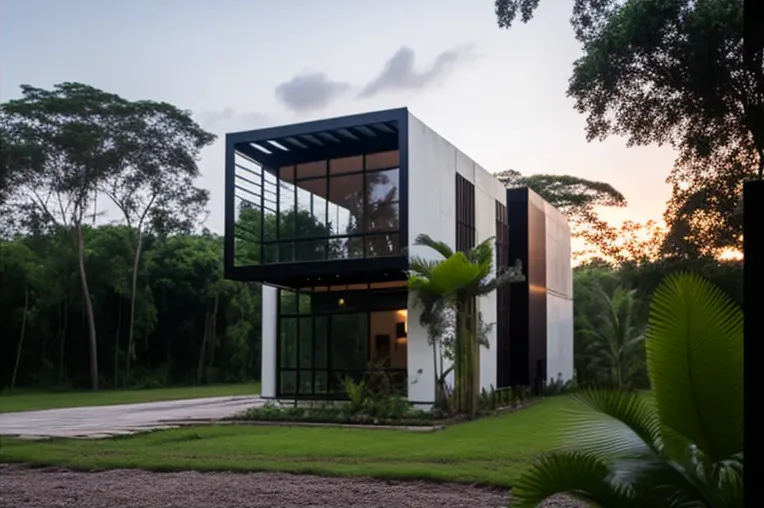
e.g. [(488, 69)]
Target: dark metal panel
[(229, 240), (519, 295), (337, 271), (502, 300), (753, 281), (465, 214), (331, 124), (403, 181), (537, 305)]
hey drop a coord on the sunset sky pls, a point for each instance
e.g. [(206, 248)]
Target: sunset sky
[(498, 95)]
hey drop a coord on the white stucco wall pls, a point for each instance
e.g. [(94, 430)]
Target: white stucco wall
[(559, 282), (433, 164), (432, 203), (269, 360)]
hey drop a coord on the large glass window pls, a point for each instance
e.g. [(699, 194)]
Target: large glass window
[(333, 209), (330, 333)]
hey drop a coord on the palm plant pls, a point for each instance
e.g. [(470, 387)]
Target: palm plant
[(456, 281), (684, 446), (613, 344)]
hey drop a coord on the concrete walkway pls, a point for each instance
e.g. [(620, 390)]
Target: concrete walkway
[(106, 421)]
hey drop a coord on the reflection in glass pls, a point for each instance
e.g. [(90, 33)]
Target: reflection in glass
[(382, 186), (306, 382), (382, 245), (346, 248), (321, 380), (313, 199), (322, 331), (288, 382), (288, 344), (350, 341), (306, 342), (382, 217), (287, 209), (322, 205), (346, 204)]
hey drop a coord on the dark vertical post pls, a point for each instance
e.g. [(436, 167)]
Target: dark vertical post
[(229, 227), (753, 281)]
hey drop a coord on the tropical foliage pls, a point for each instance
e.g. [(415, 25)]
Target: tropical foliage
[(682, 448), (673, 72), (610, 338), (191, 325), (454, 283)]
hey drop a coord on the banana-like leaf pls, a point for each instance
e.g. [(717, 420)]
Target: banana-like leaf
[(695, 360), (576, 474), (613, 424)]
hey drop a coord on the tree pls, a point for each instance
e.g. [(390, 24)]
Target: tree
[(155, 188), (457, 281), (673, 72), (612, 339), (576, 198), (685, 448), (72, 133)]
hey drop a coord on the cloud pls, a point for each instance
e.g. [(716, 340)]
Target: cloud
[(309, 91), (399, 73), (229, 120)]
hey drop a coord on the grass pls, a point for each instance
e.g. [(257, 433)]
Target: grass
[(490, 451), (11, 402)]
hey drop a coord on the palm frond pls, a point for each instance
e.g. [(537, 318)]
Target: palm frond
[(482, 253), (577, 474), (614, 424), (695, 361), (505, 276), (421, 266), (441, 248)]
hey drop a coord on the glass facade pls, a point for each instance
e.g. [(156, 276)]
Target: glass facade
[(332, 209), (326, 334)]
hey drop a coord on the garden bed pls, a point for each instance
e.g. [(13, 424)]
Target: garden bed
[(345, 415)]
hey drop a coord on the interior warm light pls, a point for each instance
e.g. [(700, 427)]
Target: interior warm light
[(403, 314), (341, 302)]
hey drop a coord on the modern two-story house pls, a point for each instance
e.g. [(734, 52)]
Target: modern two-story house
[(324, 214)]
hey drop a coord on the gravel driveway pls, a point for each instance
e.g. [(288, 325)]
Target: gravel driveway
[(22, 487)]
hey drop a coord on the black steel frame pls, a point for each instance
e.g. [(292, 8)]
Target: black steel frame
[(305, 273), (502, 300)]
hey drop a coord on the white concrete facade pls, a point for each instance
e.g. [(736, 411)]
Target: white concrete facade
[(559, 287), (433, 165)]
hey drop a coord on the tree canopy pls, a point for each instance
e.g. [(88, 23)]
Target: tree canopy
[(673, 72)]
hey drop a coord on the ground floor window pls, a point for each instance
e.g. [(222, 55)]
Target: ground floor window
[(327, 334)]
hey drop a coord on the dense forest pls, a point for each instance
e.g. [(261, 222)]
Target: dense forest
[(141, 302), (191, 325)]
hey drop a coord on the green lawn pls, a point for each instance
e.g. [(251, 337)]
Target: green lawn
[(491, 451), (34, 400)]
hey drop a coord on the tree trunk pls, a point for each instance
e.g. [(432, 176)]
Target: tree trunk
[(116, 343), (202, 352), (62, 349), (88, 306), (133, 290), (213, 329), (462, 358), (21, 337), (438, 398)]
